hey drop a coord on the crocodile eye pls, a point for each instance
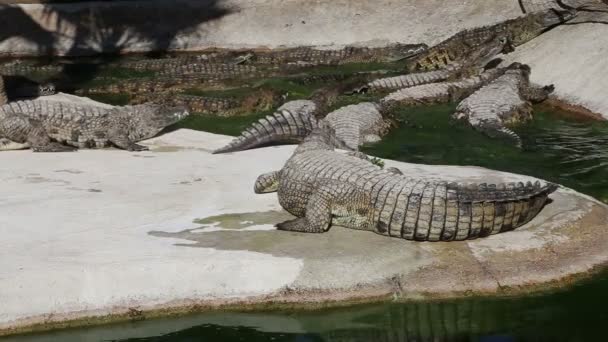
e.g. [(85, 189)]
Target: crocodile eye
[(503, 40)]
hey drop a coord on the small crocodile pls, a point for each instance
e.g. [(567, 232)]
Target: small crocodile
[(259, 100), (314, 56), (506, 100), (472, 64), (45, 126), (442, 92), (158, 64), (323, 188), (354, 125), (518, 31), (148, 85)]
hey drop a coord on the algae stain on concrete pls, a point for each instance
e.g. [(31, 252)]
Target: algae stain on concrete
[(332, 259), (244, 220)]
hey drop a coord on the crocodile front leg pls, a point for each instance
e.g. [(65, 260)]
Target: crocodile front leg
[(339, 202), (120, 138)]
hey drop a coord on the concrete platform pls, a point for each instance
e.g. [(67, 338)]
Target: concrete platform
[(100, 235)]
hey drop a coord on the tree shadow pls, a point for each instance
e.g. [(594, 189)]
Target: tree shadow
[(105, 30)]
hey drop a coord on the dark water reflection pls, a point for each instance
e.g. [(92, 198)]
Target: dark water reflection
[(576, 314)]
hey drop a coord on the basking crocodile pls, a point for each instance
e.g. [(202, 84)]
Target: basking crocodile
[(506, 100), (158, 64), (259, 100), (518, 31), (471, 64), (217, 71), (442, 92), (148, 85), (18, 68), (45, 125), (323, 188), (354, 125), (349, 54)]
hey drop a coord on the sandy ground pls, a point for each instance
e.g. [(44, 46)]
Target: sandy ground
[(100, 232)]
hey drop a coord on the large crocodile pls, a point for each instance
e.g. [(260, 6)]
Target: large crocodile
[(518, 31), (323, 187), (45, 126), (506, 100)]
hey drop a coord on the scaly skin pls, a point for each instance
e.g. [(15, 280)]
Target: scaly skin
[(324, 188), (46, 125), (518, 31), (506, 100)]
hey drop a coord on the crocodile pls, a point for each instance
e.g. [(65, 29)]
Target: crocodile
[(290, 123), (354, 125), (314, 56), (219, 71), (148, 85), (472, 64), (45, 126), (518, 31), (259, 100), (158, 64), (442, 92), (506, 100), (18, 68), (322, 187)]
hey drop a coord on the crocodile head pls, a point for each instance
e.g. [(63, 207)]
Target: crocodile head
[(405, 51), (47, 89), (148, 120), (531, 26)]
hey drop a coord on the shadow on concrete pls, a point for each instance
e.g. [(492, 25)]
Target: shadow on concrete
[(107, 29)]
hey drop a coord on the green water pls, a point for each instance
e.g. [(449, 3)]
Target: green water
[(576, 314)]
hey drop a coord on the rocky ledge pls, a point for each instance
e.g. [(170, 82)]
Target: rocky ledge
[(96, 236)]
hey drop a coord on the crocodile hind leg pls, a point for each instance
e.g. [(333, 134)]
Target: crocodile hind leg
[(25, 132), (341, 203)]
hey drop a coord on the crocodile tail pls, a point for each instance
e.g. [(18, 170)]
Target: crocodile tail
[(502, 132), (490, 209), (289, 124)]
